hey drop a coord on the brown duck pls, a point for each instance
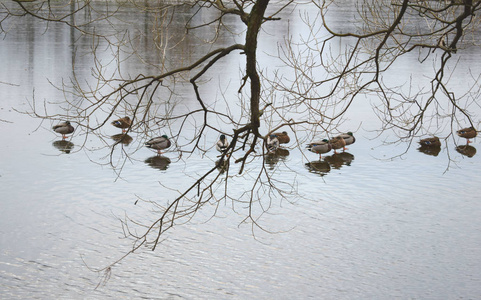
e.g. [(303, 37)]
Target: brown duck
[(467, 133), (337, 143), (282, 137), (349, 138), (122, 123), (430, 142)]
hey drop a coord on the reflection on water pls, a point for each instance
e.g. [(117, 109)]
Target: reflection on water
[(158, 162), (272, 158), (49, 231), (122, 138), (334, 161), (466, 150), (222, 165), (63, 145), (430, 150), (337, 160), (318, 167)]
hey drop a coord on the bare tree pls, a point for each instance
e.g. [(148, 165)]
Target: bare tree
[(387, 32), (320, 85)]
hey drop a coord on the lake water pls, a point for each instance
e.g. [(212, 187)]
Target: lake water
[(368, 225)]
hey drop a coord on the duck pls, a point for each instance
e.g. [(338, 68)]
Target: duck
[(63, 128), (348, 138), (159, 143), (282, 137), (467, 133), (430, 142), (122, 123), (222, 144), (272, 143), (319, 147), (337, 143)]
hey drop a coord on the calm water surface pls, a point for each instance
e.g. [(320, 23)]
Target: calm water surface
[(374, 228)]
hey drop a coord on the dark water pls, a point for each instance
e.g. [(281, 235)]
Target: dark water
[(358, 225)]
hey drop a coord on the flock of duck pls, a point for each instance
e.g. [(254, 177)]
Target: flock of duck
[(274, 140), (432, 145), (338, 142), (158, 143)]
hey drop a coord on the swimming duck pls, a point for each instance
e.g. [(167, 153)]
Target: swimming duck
[(348, 138), (282, 137), (122, 123), (467, 133), (319, 147), (430, 142), (158, 143), (222, 144), (272, 143), (337, 143), (63, 128)]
